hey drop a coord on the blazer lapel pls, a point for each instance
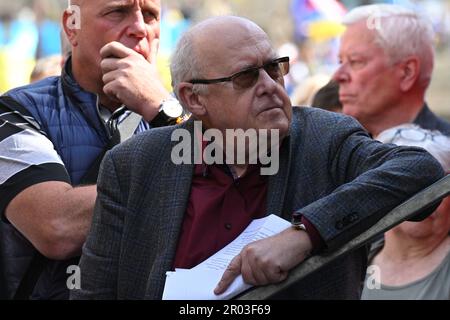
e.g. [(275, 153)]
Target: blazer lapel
[(174, 189), (278, 183)]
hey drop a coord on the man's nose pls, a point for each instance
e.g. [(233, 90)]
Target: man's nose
[(137, 27), (266, 82), (341, 75)]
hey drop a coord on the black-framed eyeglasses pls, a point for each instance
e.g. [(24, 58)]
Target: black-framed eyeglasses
[(247, 78)]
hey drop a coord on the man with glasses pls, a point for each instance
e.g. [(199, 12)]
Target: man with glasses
[(248, 77), (333, 182), (387, 60)]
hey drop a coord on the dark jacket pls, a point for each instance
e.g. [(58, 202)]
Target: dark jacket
[(330, 170), (428, 120)]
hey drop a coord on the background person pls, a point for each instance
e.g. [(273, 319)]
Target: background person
[(327, 97), (413, 261), (387, 60)]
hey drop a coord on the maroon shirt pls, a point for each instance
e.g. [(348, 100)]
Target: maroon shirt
[(219, 209)]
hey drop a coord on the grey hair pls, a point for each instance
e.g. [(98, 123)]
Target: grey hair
[(436, 143), (400, 32), (185, 63)]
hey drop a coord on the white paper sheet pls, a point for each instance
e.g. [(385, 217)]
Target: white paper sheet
[(199, 282)]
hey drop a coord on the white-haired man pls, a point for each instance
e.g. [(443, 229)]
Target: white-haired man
[(387, 59), (53, 134)]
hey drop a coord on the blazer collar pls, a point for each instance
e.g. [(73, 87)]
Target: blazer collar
[(278, 183), (174, 191)]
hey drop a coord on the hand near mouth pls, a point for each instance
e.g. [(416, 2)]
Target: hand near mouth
[(131, 80)]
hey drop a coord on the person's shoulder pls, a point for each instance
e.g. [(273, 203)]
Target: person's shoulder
[(427, 119), (444, 126), (316, 113), (161, 135), (37, 86), (36, 91), (375, 248), (320, 118), (152, 142)]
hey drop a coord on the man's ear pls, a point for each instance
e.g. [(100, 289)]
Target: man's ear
[(191, 99), (409, 73), (72, 23)]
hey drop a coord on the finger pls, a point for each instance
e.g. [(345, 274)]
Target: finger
[(282, 275), (154, 48), (276, 275), (233, 270), (110, 77), (115, 49), (111, 92), (109, 64), (249, 274)]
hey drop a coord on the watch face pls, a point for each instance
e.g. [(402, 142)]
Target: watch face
[(172, 108), (296, 218)]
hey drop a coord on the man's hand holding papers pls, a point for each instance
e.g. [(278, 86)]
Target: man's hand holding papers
[(264, 253)]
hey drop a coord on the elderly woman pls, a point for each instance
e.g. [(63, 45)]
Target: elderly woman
[(413, 261)]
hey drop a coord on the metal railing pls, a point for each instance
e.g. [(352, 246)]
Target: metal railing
[(407, 210)]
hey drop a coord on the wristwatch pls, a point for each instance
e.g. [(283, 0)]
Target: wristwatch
[(169, 111), (296, 222)]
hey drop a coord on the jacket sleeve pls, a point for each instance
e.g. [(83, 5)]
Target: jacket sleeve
[(100, 256), (371, 178)]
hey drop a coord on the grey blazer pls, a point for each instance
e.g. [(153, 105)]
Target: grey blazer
[(330, 171)]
